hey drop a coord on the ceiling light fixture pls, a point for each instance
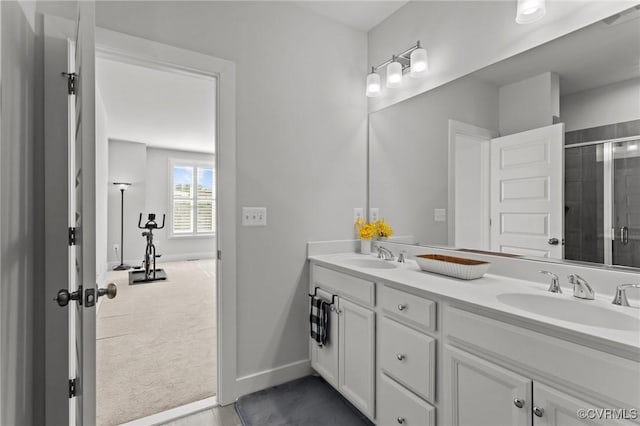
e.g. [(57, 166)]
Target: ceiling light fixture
[(529, 11), (413, 59)]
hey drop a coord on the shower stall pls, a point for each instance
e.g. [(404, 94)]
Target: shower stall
[(602, 201)]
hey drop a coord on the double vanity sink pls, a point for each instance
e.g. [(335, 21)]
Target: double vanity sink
[(415, 348)]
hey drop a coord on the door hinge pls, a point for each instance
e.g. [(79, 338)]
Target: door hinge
[(219, 254), (72, 236), (72, 387), (72, 82)]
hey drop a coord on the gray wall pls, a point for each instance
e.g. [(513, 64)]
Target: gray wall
[(21, 218), (127, 163), (409, 154), (102, 188), (157, 200)]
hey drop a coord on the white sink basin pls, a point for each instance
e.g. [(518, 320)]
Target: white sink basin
[(578, 311), (370, 263)]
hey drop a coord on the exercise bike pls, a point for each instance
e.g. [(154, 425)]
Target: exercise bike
[(149, 272)]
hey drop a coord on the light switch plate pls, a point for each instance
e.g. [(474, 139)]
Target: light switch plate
[(254, 216), (374, 214), (358, 213), (440, 215)]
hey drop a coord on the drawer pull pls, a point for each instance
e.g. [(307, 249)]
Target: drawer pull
[(538, 411), (518, 402), (400, 420), (400, 357), (402, 307)]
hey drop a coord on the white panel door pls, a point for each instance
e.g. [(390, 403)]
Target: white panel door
[(357, 351), (82, 204), (484, 394), (555, 408), (527, 192), (325, 359)]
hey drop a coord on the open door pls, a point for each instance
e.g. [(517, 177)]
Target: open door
[(527, 193)]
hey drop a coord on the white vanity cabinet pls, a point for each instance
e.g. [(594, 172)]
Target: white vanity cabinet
[(347, 361)]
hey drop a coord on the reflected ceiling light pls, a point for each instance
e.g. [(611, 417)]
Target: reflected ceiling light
[(529, 11), (394, 73), (413, 59), (373, 84)]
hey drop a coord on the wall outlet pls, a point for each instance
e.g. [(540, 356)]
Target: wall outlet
[(440, 215), (358, 213), (374, 214), (254, 216), (116, 248)]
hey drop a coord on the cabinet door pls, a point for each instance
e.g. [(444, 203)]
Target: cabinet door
[(356, 361), (556, 408), (483, 394), (324, 359)]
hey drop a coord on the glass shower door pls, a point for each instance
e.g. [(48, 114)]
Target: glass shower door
[(626, 203)]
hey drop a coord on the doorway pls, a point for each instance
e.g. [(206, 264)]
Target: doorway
[(602, 202), (156, 341)]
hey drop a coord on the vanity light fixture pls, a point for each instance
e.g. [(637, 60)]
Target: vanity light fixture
[(413, 59), (529, 11), (373, 84)]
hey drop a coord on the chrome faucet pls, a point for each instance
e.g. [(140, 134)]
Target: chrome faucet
[(621, 294), (555, 282), (384, 253), (581, 288), (401, 256)]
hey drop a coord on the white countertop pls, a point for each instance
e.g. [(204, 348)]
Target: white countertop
[(484, 293)]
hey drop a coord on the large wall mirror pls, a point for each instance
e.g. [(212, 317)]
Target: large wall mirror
[(537, 155)]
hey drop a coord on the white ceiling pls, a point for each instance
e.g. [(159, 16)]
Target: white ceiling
[(598, 55), (160, 108), (360, 14)]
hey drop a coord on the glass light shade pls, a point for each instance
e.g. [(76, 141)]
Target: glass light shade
[(373, 85), (529, 11), (394, 74), (122, 185), (419, 63)]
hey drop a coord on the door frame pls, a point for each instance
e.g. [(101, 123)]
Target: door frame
[(460, 128), (121, 47)]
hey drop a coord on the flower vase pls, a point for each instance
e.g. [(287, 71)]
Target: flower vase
[(365, 246)]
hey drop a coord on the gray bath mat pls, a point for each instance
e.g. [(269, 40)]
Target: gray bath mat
[(308, 401)]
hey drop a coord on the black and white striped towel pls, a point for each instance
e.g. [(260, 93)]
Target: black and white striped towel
[(319, 320)]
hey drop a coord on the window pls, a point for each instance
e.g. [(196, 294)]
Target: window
[(193, 199)]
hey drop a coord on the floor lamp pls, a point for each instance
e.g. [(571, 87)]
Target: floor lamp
[(123, 186)]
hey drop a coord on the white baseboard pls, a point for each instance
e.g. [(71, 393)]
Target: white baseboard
[(175, 413), (167, 258), (272, 377)]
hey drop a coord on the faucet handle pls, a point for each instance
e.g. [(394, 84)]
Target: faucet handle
[(621, 294), (555, 282), (401, 256)]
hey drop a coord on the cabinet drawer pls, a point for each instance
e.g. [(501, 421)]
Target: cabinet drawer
[(353, 288), (398, 406), (409, 308), (409, 357)]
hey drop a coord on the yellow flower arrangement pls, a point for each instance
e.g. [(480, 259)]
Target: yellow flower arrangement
[(379, 228), (383, 230)]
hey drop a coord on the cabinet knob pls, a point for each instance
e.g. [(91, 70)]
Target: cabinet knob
[(400, 357), (400, 420), (538, 411), (402, 307), (518, 402)]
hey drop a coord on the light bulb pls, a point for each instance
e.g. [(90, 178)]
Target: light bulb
[(419, 63), (394, 74), (529, 11), (373, 84)]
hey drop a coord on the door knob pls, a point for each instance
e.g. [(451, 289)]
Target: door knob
[(554, 241), (538, 411), (64, 297), (110, 291), (518, 402)]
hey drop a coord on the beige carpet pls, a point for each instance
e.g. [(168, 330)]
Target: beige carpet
[(156, 343)]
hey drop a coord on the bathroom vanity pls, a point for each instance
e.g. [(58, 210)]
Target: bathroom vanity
[(412, 348)]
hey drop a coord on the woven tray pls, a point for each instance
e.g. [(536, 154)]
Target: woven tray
[(457, 267)]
